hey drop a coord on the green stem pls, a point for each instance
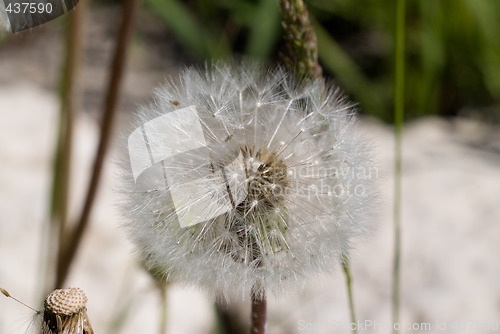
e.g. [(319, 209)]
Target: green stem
[(347, 272), (398, 125), (163, 287)]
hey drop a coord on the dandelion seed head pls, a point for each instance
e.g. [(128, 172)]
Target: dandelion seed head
[(262, 196)]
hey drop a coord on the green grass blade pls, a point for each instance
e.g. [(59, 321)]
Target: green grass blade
[(188, 31), (264, 29), (347, 273), (398, 125)]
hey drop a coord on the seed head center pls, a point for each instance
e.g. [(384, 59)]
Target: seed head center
[(267, 180)]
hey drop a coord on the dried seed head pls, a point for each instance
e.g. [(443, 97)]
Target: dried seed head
[(66, 312), (66, 301)]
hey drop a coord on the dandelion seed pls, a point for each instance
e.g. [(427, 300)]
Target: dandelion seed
[(245, 201), (7, 294)]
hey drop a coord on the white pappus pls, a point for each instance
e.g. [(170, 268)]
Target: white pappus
[(242, 178)]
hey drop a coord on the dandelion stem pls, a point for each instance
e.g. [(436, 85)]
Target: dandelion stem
[(398, 126), (259, 306), (119, 58), (347, 272)]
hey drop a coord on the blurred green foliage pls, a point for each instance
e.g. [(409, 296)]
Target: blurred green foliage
[(452, 60)]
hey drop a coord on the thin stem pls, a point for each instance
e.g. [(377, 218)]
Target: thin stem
[(347, 272), (398, 126), (119, 59), (163, 286), (69, 97), (69, 106), (259, 306), (300, 38)]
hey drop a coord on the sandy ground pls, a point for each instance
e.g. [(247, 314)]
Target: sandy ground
[(451, 214)]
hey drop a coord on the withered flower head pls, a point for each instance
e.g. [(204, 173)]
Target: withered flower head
[(65, 312)]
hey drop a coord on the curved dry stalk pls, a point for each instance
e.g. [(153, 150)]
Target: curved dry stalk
[(118, 64)]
